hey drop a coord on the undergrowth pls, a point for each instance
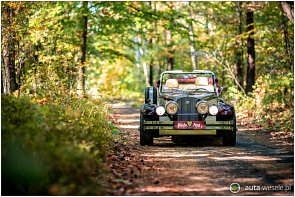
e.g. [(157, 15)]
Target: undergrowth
[(271, 104), (53, 147)]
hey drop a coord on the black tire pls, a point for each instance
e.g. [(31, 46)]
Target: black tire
[(184, 139), (149, 138), (150, 95), (146, 137), (141, 131), (175, 139), (230, 137)]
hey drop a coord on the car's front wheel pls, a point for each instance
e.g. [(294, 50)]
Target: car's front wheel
[(229, 137), (146, 137)]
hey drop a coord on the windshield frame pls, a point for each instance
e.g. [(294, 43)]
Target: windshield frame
[(205, 72)]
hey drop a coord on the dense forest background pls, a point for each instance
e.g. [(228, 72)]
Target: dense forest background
[(96, 50), (119, 48)]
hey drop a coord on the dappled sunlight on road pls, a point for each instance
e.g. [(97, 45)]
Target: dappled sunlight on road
[(258, 158), (185, 189), (128, 127), (174, 155), (128, 121), (201, 165), (125, 120)]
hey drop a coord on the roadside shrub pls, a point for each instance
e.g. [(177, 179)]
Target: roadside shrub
[(241, 102), (273, 96), (52, 147), (271, 102)]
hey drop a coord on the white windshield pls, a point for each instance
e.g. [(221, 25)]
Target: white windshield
[(193, 82)]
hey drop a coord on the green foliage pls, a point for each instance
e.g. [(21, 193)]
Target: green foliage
[(239, 100), (49, 42), (53, 146), (273, 96), (279, 89), (271, 104)]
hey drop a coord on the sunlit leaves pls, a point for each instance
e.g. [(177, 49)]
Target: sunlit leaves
[(48, 38), (57, 142)]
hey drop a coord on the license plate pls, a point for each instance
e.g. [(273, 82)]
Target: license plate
[(189, 125)]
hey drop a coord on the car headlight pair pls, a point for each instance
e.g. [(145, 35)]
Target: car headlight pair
[(203, 108), (171, 108)]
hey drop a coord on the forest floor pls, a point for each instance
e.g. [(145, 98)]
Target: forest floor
[(261, 163)]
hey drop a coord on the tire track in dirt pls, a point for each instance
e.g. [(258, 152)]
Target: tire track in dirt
[(202, 168)]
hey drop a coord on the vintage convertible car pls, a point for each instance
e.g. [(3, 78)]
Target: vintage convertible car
[(186, 103)]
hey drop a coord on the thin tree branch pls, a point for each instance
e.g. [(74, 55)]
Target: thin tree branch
[(229, 70), (288, 10)]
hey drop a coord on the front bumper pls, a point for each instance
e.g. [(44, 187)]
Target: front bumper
[(168, 128)]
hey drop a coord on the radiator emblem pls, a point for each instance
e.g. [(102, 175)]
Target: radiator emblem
[(189, 123), (187, 102)]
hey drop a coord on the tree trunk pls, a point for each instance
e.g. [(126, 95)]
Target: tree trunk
[(159, 69), (137, 41), (288, 48), (192, 41), (238, 67), (144, 52), (8, 47), (146, 72), (81, 71), (250, 51), (289, 11), (157, 43), (151, 73), (170, 55)]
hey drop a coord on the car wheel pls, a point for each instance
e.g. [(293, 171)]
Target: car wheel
[(149, 138), (141, 131), (229, 137), (146, 137), (176, 139)]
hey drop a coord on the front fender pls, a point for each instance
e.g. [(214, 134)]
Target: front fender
[(149, 112), (148, 109), (225, 112)]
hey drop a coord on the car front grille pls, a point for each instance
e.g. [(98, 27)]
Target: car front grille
[(187, 109)]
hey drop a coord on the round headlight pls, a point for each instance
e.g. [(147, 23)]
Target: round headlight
[(172, 107), (213, 110), (202, 107), (160, 110)]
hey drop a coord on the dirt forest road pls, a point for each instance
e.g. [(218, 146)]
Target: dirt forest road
[(260, 165)]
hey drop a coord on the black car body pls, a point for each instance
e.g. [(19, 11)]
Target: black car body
[(186, 103)]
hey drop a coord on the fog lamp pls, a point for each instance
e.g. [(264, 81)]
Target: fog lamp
[(160, 110), (213, 110)]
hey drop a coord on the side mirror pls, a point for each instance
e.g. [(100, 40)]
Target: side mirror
[(223, 89)]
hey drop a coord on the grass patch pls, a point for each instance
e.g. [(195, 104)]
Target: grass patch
[(53, 147)]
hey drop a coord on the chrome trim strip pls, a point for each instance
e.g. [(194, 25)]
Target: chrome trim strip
[(158, 122), (187, 132), (207, 128), (159, 127), (220, 127), (219, 122), (172, 122)]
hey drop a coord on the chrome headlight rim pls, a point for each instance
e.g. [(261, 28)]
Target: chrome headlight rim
[(160, 110), (213, 110), (203, 103), (176, 107)]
